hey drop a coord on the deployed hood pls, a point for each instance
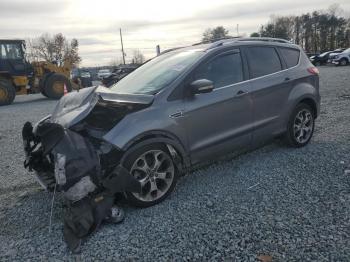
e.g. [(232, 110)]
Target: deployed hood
[(75, 106)]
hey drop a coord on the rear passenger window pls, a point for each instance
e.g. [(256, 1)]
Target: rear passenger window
[(263, 61), (291, 56), (223, 70)]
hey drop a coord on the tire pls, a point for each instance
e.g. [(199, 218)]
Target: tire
[(301, 126), (317, 63), (42, 82), (343, 62), (54, 86), (7, 92), (156, 185)]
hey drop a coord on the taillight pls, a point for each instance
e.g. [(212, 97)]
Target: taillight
[(313, 70)]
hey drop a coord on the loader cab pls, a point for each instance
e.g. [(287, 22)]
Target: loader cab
[(12, 59), (15, 71)]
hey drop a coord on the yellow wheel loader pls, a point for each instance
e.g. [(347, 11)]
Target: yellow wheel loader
[(17, 76)]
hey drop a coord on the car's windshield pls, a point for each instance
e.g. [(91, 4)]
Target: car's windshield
[(104, 71), (323, 54), (157, 73)]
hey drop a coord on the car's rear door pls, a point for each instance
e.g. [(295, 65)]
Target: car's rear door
[(270, 86), (219, 121)]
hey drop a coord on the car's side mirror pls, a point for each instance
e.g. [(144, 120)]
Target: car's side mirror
[(201, 86)]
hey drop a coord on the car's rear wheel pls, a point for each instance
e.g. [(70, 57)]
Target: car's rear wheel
[(300, 126), (154, 167)]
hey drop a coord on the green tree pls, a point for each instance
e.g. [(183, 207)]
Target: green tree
[(278, 27), (318, 31)]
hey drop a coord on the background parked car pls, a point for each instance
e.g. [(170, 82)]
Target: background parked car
[(342, 58), (311, 54), (84, 77), (102, 73), (118, 74), (323, 58), (333, 54)]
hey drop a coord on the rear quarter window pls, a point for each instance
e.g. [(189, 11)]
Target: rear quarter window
[(262, 61), (290, 56)]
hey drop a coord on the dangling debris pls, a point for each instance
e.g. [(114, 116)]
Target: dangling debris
[(67, 161)]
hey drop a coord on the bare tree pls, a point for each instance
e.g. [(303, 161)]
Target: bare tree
[(54, 49), (138, 57), (71, 54), (215, 34), (115, 62)]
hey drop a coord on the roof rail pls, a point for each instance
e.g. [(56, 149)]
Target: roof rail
[(221, 41), (170, 49), (265, 39), (217, 41)]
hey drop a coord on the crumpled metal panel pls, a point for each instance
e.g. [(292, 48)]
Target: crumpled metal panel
[(75, 106), (80, 189)]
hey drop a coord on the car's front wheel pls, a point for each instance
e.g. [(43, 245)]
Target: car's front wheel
[(343, 62), (154, 167), (300, 126)]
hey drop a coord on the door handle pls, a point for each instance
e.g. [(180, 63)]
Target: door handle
[(241, 93), (177, 114)]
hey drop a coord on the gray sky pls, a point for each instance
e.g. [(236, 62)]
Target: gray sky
[(96, 23)]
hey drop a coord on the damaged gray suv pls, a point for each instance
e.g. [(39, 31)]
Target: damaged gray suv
[(183, 107)]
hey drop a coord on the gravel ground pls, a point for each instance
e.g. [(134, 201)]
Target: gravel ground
[(291, 204)]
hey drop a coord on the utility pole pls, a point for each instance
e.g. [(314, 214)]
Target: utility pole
[(121, 41), (237, 29)]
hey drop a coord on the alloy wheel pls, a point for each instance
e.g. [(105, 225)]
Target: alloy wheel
[(155, 171), (303, 126)]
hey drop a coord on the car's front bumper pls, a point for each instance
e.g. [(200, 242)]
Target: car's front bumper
[(335, 62), (66, 159)]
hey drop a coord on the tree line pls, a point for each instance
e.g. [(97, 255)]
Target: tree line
[(316, 32), (58, 49)]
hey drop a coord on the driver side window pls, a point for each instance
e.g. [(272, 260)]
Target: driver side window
[(223, 70)]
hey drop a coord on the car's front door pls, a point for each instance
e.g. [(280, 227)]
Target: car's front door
[(220, 121)]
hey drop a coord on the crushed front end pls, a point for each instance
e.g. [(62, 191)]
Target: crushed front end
[(68, 154)]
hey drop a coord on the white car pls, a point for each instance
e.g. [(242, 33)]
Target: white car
[(342, 58), (103, 73)]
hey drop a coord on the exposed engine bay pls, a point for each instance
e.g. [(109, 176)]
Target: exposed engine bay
[(68, 154)]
